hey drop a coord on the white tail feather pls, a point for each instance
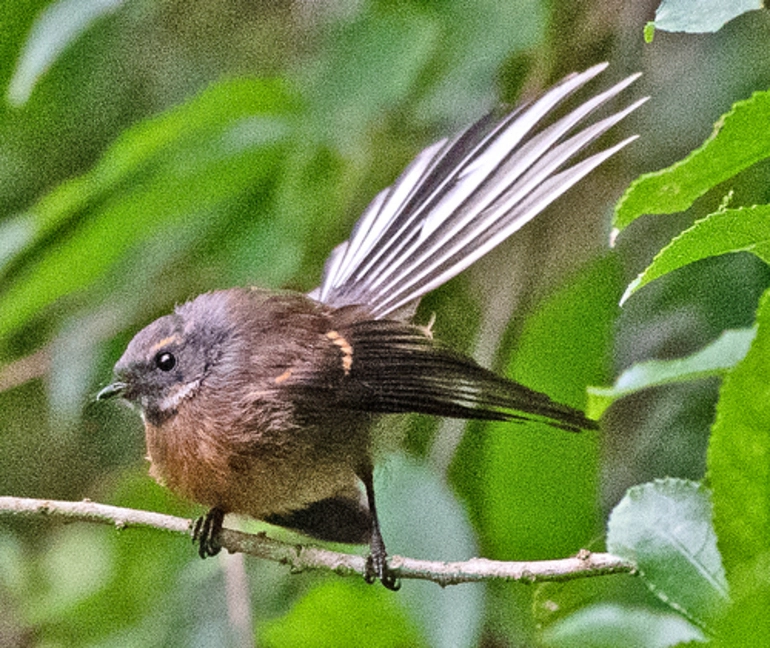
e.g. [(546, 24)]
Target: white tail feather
[(460, 198)]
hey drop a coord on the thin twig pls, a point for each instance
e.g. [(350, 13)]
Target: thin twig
[(302, 558)]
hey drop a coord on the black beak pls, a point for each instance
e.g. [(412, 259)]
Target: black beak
[(110, 391)]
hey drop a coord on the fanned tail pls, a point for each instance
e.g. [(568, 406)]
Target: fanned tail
[(462, 197)]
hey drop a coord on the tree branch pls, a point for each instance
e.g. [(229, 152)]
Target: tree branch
[(301, 558)]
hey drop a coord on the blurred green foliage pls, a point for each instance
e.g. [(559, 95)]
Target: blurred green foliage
[(172, 147)]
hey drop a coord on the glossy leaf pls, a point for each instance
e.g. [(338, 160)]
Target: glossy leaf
[(739, 140), (733, 230), (665, 528), (698, 16)]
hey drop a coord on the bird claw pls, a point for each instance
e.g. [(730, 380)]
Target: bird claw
[(377, 569), (205, 533)]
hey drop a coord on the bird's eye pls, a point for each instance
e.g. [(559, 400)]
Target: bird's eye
[(165, 361)]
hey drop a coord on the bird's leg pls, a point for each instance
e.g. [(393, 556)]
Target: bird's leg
[(206, 531), (377, 562)]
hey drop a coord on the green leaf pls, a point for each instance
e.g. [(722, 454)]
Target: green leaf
[(739, 472), (747, 624), (713, 360), (739, 452), (231, 117), (698, 16), (58, 26), (746, 229), (740, 139), (665, 528), (342, 614), (608, 625)]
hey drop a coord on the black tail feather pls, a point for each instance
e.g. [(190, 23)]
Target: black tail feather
[(398, 368)]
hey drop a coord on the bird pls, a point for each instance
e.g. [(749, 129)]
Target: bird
[(263, 403)]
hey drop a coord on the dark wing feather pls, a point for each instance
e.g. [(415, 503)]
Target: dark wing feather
[(398, 368)]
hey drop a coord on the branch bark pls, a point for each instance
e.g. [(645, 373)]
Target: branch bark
[(302, 558)]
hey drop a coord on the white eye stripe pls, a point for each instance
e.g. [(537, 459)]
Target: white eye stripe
[(178, 394)]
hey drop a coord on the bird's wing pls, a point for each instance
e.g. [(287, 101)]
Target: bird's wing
[(397, 367)]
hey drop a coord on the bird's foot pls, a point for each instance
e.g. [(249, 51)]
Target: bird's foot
[(377, 569), (205, 532)]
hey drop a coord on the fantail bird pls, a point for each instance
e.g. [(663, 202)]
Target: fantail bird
[(262, 403)]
